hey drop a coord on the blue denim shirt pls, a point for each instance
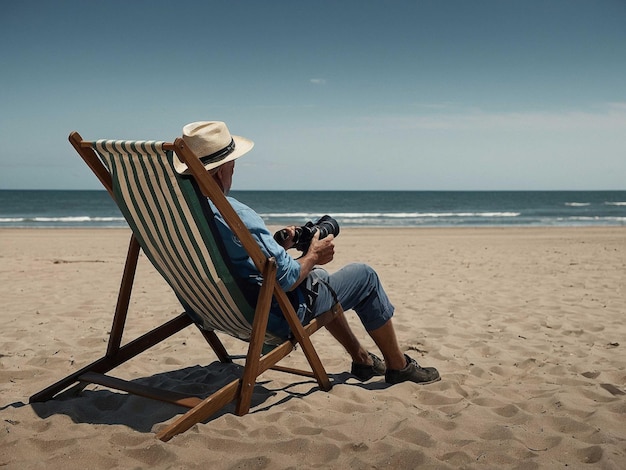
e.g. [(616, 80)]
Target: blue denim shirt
[(288, 269)]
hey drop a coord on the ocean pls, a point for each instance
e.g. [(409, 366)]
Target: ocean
[(48, 208)]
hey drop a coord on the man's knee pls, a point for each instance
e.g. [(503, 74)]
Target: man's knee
[(364, 271)]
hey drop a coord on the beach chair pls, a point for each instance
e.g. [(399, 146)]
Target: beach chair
[(167, 213)]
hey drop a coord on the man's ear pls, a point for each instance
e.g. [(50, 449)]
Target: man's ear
[(217, 176)]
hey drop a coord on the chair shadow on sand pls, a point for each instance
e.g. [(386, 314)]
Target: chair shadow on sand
[(105, 406)]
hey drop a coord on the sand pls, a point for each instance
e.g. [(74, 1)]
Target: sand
[(526, 326)]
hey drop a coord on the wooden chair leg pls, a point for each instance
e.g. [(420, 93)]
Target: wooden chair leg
[(217, 346), (123, 299), (259, 327), (203, 411)]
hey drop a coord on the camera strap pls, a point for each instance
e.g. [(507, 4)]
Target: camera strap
[(331, 290)]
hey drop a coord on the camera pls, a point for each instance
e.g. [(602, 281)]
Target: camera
[(304, 234)]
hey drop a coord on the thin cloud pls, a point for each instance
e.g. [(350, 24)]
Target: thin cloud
[(318, 81)]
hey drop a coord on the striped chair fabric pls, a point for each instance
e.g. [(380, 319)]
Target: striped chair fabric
[(167, 216)]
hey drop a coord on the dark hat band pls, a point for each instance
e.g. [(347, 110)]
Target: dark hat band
[(219, 155)]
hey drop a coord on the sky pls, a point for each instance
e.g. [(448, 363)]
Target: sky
[(350, 94)]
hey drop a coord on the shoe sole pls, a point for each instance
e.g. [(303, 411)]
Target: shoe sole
[(416, 383)]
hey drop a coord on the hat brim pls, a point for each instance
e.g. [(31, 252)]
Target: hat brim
[(242, 146)]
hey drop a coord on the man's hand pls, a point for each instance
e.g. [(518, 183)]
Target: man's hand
[(322, 251)]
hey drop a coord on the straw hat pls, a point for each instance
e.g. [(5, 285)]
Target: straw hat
[(212, 142)]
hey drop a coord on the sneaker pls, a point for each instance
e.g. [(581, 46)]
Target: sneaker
[(413, 372), (365, 372)]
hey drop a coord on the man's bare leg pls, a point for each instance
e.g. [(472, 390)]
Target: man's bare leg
[(385, 339), (341, 331)]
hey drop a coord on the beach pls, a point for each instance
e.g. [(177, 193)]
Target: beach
[(526, 326)]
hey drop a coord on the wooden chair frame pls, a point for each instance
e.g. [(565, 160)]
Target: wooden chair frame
[(255, 363)]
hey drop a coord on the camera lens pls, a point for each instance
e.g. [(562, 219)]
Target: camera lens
[(327, 225)]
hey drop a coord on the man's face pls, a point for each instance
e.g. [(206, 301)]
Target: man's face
[(226, 176)]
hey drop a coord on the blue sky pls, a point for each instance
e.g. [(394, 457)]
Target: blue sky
[(416, 95)]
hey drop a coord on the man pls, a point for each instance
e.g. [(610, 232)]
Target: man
[(311, 289)]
